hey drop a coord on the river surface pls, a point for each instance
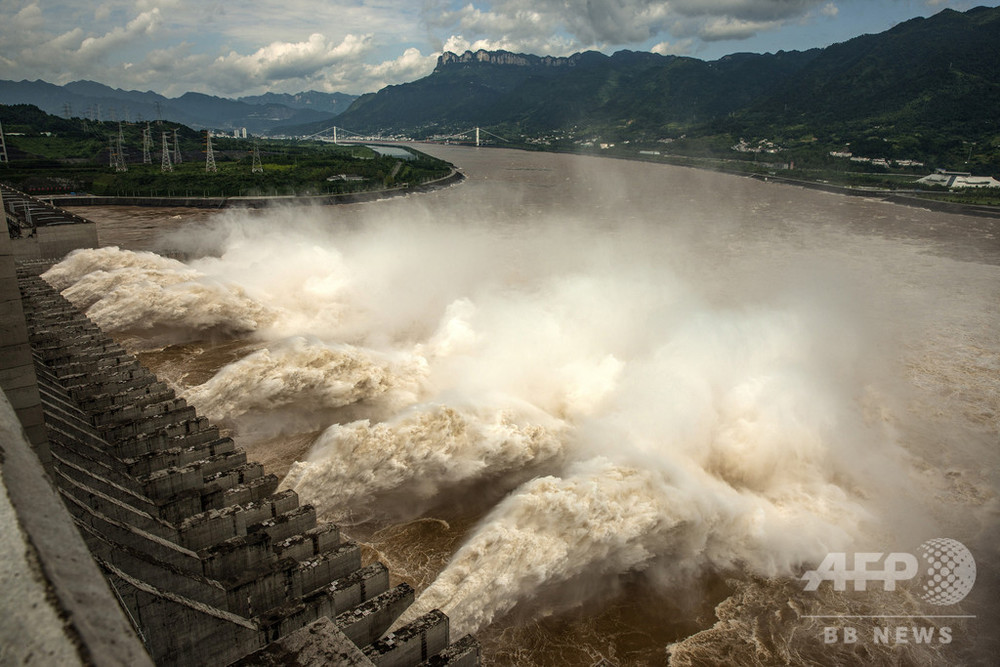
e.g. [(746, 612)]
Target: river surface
[(603, 410)]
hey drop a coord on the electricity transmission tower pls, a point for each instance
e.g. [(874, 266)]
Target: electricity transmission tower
[(256, 168), (120, 159), (147, 145), (165, 161), (177, 149), (209, 155), (118, 152), (3, 148)]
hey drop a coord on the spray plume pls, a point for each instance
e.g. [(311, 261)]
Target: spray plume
[(686, 423)]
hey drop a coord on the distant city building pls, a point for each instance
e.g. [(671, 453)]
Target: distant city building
[(243, 132), (762, 146), (959, 179)]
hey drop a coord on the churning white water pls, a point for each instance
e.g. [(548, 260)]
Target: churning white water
[(616, 377)]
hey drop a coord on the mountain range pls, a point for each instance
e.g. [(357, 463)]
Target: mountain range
[(925, 84), (258, 114), (927, 88)]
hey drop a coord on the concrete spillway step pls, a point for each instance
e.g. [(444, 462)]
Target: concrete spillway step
[(369, 620), (208, 558), (132, 422), (120, 415), (243, 489), (45, 340), (111, 382), (203, 475), (414, 642), (286, 525), (207, 529), (256, 550), (139, 397), (191, 433), (335, 598), (260, 590), (465, 652), (168, 433), (146, 464), (252, 547), (94, 367), (309, 543)]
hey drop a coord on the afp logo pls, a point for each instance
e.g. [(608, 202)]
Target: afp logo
[(946, 567)]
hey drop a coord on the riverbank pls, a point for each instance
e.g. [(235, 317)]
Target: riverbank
[(905, 199), (902, 197), (454, 176)]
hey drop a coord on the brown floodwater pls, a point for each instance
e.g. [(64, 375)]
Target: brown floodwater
[(594, 408)]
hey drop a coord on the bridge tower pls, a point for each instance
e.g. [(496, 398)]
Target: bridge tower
[(477, 137), (165, 165), (209, 154)]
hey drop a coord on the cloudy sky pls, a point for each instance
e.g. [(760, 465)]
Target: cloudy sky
[(236, 47)]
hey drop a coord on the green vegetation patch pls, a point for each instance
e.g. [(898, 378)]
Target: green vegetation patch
[(54, 155)]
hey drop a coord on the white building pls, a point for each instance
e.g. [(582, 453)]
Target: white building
[(959, 179)]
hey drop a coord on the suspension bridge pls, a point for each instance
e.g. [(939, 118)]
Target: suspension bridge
[(338, 136)]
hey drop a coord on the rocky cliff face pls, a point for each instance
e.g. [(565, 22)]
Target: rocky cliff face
[(448, 58)]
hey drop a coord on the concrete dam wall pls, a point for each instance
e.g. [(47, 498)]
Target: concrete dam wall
[(202, 561)]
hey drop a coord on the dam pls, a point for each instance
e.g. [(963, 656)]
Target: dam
[(137, 533), (554, 340)]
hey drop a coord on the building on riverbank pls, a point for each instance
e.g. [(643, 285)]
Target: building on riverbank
[(959, 179)]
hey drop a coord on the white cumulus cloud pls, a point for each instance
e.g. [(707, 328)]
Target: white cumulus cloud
[(568, 25)]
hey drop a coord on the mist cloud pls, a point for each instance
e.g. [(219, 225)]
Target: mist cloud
[(659, 428)]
